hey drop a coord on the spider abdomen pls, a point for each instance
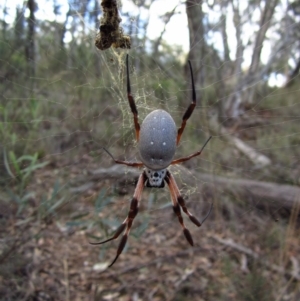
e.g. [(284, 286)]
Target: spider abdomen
[(157, 144)]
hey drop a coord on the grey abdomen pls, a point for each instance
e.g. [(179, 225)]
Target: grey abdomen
[(157, 142)]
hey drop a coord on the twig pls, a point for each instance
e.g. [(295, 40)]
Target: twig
[(184, 277), (66, 272), (230, 243)]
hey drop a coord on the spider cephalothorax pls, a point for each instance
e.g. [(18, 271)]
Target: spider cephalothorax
[(155, 178), (157, 139)]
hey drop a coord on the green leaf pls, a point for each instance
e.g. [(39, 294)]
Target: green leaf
[(56, 205), (14, 161), (34, 167), (6, 164)]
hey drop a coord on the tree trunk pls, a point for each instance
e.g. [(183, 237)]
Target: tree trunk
[(197, 40), (223, 22), (293, 75), (231, 106), (244, 91), (96, 20), (265, 22), (30, 45)]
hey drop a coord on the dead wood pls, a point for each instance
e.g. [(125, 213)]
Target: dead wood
[(257, 158), (259, 193)]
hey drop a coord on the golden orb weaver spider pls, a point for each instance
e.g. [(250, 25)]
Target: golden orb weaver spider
[(157, 139)]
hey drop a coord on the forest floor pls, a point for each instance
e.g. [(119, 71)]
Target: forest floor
[(238, 254), (241, 252)]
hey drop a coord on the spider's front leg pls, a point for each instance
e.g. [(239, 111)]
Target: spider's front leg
[(133, 211), (190, 108), (132, 104)]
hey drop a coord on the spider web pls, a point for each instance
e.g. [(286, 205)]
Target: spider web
[(57, 190)]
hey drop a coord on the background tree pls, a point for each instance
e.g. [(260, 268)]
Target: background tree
[(30, 40)]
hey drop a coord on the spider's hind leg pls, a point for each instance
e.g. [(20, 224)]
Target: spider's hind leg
[(178, 202), (133, 211)]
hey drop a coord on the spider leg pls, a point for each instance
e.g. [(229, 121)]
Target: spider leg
[(133, 211), (180, 160), (179, 201), (176, 208), (132, 164), (132, 104), (190, 108)]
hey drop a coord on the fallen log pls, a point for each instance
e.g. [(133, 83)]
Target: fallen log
[(259, 159), (261, 194)]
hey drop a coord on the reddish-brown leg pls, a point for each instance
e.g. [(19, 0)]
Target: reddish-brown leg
[(190, 109), (180, 160), (132, 164), (132, 104), (176, 208), (178, 202), (133, 211)]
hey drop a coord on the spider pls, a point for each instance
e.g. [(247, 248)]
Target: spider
[(157, 140)]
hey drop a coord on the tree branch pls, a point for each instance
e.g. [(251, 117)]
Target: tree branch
[(257, 158)]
